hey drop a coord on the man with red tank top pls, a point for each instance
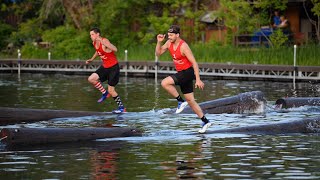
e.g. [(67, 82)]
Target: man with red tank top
[(187, 70), (108, 71)]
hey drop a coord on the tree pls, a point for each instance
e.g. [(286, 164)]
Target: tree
[(79, 11), (244, 16), (185, 13), (16, 12), (234, 16), (316, 10), (52, 13), (5, 29)]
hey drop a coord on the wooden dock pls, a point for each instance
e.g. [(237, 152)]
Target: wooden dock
[(150, 69)]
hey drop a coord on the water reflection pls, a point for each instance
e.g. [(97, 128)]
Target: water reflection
[(250, 157), (104, 161)]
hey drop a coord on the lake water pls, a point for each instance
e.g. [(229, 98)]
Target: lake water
[(166, 150)]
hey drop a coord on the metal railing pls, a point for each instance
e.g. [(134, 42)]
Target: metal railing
[(153, 68)]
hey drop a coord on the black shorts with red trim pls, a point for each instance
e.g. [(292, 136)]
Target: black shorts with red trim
[(110, 74)]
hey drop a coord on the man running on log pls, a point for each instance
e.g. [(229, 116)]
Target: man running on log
[(108, 71), (187, 70)]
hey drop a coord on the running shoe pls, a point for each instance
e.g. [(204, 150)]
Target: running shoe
[(204, 127), (103, 97), (119, 110), (181, 106)]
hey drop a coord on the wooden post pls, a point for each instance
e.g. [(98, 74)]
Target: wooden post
[(19, 62), (294, 65), (126, 61), (156, 67)]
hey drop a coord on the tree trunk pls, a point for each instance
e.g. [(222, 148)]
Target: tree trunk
[(76, 12)]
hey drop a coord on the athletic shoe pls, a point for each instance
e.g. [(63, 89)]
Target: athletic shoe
[(181, 106), (103, 97), (204, 127), (119, 110)]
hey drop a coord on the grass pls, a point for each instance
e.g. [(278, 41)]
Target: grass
[(307, 55)]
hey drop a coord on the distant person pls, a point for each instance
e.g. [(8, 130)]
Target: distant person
[(187, 70), (284, 25), (276, 19), (108, 71)]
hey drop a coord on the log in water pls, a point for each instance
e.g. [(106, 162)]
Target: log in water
[(291, 102), (28, 136), (308, 125), (18, 115), (249, 102)]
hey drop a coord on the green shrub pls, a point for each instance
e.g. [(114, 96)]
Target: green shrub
[(5, 31), (69, 43), (31, 51), (278, 38)]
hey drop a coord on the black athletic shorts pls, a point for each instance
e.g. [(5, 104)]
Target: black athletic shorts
[(110, 74), (184, 79)]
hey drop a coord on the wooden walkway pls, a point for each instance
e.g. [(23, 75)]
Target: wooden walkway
[(149, 69)]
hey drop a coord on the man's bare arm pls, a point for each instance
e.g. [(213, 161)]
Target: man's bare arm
[(91, 59), (161, 49), (109, 45), (186, 51)]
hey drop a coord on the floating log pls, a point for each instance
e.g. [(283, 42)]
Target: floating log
[(18, 115), (28, 136), (249, 102), (308, 125), (291, 102)]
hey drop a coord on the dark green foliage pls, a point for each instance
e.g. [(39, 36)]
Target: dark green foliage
[(5, 32), (69, 43), (31, 51)]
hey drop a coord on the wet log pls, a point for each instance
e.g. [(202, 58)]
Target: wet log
[(30, 136), (291, 102), (249, 102), (18, 115), (308, 125)]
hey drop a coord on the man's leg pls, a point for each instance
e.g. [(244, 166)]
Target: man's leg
[(117, 99), (94, 80), (193, 104), (169, 85), (197, 109)]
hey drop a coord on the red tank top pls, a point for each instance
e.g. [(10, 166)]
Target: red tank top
[(108, 59), (181, 62)]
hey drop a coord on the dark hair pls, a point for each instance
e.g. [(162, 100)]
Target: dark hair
[(95, 30), (174, 29)]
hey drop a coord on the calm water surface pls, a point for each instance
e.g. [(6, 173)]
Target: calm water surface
[(166, 150)]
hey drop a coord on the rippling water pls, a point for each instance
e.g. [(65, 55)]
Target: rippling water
[(169, 148)]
